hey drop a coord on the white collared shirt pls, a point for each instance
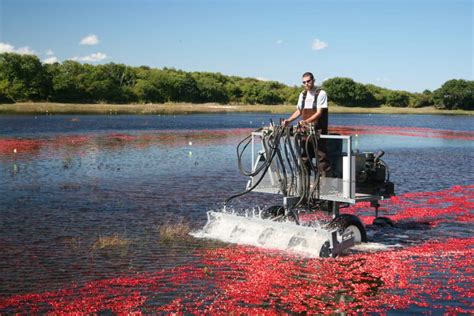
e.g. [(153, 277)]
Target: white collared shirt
[(322, 101)]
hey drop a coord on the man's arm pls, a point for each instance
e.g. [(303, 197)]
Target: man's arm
[(293, 117), (296, 113)]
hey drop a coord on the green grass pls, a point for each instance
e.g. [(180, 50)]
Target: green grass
[(112, 241), (174, 231), (32, 108)]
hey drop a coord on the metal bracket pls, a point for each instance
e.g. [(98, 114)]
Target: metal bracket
[(290, 201), (336, 247)]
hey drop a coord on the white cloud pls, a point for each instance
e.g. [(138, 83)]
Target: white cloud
[(91, 39), (51, 60), (279, 42), (91, 58), (318, 44), (49, 52), (262, 79), (25, 51), (7, 48)]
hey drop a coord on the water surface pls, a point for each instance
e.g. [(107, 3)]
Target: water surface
[(67, 181)]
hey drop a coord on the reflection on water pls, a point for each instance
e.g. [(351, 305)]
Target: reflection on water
[(61, 192)]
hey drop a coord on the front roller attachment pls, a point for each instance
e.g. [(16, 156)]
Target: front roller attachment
[(266, 233)]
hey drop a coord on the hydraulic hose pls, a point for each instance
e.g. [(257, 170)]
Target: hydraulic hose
[(302, 171), (288, 152), (291, 169), (314, 140), (239, 157), (269, 155), (386, 168)]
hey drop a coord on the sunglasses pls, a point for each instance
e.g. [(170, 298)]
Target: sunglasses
[(307, 81)]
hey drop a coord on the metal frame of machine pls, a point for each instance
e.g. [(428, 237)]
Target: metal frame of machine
[(340, 191), (348, 194), (282, 164)]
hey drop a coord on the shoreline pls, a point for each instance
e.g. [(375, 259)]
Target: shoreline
[(48, 108)]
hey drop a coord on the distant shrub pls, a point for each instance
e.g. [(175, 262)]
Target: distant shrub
[(347, 92), (397, 99), (26, 78), (4, 99), (421, 100), (455, 94)]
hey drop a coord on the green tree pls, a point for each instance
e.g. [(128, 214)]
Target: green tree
[(147, 92), (290, 94), (397, 99), (69, 82), (347, 92), (249, 91), (421, 100), (23, 77), (261, 92), (147, 87), (379, 93), (233, 91), (111, 83), (455, 94), (211, 87), (150, 86), (176, 85), (4, 98), (269, 92)]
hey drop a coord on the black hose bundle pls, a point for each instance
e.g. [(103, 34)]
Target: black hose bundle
[(271, 145), (293, 165)]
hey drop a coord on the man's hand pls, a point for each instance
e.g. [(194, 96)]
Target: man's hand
[(285, 122), (302, 123)]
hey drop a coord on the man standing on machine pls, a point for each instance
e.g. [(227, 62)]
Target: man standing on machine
[(313, 108)]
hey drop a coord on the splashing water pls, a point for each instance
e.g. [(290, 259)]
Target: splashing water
[(253, 230)]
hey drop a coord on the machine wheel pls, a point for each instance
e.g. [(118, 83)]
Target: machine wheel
[(345, 222)]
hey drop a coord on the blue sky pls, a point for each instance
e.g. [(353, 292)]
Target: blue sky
[(407, 45)]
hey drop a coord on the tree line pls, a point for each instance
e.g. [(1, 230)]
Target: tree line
[(25, 78)]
